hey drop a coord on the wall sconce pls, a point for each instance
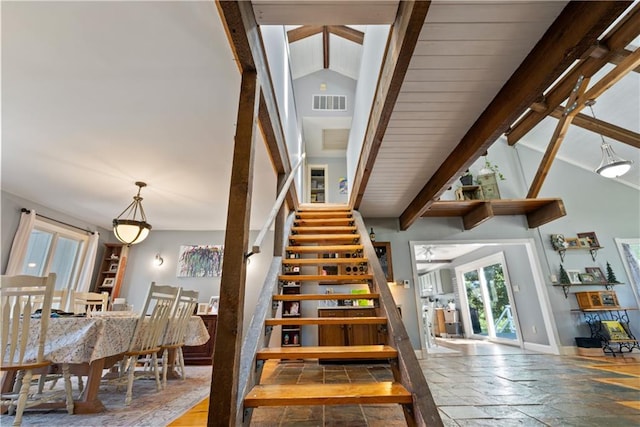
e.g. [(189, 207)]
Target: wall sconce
[(158, 260), (611, 165)]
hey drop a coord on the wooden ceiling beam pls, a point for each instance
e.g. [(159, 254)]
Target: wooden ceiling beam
[(546, 213), (617, 57), (598, 126), (558, 136), (347, 33), (618, 38), (325, 47), (574, 31), (400, 46), (303, 32), (614, 76), (476, 216), (246, 42)]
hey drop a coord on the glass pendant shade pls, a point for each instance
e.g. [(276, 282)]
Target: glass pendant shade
[(612, 166), (126, 227)]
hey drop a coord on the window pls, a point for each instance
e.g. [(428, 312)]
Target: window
[(55, 249)]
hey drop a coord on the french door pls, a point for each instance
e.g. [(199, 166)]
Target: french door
[(487, 301)]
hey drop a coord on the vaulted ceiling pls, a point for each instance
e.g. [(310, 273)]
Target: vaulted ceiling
[(98, 95)]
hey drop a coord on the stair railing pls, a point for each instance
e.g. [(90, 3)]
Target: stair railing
[(257, 336), (255, 249), (423, 411)]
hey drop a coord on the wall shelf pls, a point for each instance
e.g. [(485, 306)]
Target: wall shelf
[(566, 288), (593, 250)]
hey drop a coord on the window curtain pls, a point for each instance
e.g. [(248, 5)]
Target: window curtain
[(84, 282), (20, 243)]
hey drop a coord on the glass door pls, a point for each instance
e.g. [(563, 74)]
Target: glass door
[(488, 300)]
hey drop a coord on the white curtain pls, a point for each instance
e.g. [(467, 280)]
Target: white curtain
[(84, 282), (20, 243)]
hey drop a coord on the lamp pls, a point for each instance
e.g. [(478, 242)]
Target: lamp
[(126, 227), (611, 165), (429, 254), (158, 260)]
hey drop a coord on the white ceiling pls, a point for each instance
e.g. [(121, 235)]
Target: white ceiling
[(98, 95)]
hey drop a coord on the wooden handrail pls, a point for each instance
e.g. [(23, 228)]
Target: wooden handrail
[(409, 371), (247, 375)]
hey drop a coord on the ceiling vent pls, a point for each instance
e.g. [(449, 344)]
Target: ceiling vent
[(329, 102)]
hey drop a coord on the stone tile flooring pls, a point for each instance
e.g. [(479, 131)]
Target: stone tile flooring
[(481, 385)]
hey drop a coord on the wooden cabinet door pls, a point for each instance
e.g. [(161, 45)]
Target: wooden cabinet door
[(362, 334), (202, 354), (331, 334)]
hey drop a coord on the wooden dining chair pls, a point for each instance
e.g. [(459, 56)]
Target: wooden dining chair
[(86, 302), (148, 334), (23, 340), (185, 306)]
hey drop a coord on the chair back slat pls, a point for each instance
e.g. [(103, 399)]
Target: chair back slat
[(88, 302), (150, 327), (20, 297), (183, 309)]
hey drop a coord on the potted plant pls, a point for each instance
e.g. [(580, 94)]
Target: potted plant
[(489, 168), (466, 178)]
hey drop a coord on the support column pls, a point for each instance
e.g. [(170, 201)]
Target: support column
[(223, 396), (279, 221)]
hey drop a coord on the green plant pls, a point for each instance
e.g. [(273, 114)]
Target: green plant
[(488, 166)]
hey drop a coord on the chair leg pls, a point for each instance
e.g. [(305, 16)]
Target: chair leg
[(131, 376), (181, 362), (22, 399), (154, 358), (165, 368), (67, 385)]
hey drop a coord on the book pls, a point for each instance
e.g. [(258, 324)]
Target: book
[(614, 330)]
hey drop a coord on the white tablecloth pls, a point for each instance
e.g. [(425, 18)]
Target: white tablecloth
[(85, 339)]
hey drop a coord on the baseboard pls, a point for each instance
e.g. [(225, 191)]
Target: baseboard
[(540, 348)]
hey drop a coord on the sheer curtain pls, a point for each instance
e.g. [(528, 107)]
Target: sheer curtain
[(20, 243), (84, 282)]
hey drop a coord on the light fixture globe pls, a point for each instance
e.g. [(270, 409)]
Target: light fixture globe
[(612, 166), (126, 227)]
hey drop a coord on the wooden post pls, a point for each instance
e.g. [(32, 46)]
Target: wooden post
[(226, 357)]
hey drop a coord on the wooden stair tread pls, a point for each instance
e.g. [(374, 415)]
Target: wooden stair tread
[(305, 207), (324, 229), (329, 352), (327, 394), (321, 297), (323, 214), (313, 238), (323, 221), (325, 249), (332, 278), (323, 261), (326, 321)]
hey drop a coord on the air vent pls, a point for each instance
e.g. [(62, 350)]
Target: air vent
[(330, 102)]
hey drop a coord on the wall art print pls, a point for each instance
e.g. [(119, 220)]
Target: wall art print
[(200, 261)]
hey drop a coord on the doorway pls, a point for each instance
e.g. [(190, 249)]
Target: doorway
[(486, 299), (317, 184)]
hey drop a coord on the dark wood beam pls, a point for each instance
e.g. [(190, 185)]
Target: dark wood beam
[(477, 215), (558, 136), (325, 47), (618, 38), (245, 40), (614, 76), (598, 126), (347, 33), (546, 213), (303, 32), (400, 46), (574, 31), (223, 396)]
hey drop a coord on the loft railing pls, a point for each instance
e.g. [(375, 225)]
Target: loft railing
[(408, 372), (276, 207)]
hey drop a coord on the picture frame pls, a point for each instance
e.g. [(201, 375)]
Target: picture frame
[(574, 276), (203, 308), (584, 242), (598, 274), (587, 278), (572, 242), (558, 242), (113, 267), (213, 304), (108, 282), (590, 239)]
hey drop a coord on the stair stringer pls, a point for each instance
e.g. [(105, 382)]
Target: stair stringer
[(423, 411)]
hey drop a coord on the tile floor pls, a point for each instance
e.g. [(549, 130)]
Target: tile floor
[(477, 384)]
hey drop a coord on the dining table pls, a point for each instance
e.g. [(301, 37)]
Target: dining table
[(89, 344)]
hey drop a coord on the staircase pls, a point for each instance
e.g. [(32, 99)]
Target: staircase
[(324, 239)]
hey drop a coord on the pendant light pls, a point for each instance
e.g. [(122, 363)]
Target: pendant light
[(611, 165), (126, 227)]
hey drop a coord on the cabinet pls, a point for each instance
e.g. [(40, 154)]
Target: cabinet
[(344, 335), (111, 270), (317, 184), (202, 354), (436, 282), (291, 334)]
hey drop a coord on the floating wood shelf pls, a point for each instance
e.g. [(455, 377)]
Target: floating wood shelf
[(475, 212)]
